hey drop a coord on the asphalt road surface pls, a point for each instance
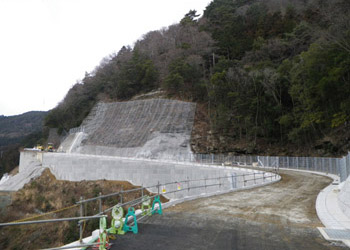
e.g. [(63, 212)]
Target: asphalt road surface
[(278, 216)]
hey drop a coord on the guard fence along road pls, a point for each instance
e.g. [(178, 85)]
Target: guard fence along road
[(338, 166), (148, 204)]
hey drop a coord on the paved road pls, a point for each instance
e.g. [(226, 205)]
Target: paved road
[(279, 216)]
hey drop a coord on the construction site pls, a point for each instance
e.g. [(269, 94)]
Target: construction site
[(196, 201)]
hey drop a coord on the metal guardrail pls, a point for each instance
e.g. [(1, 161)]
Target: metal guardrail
[(252, 178), (76, 130), (246, 180), (70, 247), (51, 220), (338, 166)]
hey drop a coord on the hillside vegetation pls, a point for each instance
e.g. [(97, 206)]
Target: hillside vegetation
[(47, 194), (268, 75), (17, 131), (13, 129)]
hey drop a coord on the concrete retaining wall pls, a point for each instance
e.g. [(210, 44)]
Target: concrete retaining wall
[(75, 167), (30, 167), (344, 198), (29, 158), (186, 178)]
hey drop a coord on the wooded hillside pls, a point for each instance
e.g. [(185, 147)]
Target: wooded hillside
[(273, 73), (14, 128), (17, 131)]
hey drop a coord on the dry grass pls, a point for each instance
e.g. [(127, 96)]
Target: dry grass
[(47, 194)]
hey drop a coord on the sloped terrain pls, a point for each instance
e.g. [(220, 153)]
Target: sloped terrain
[(131, 124), (14, 128), (141, 128), (46, 194)]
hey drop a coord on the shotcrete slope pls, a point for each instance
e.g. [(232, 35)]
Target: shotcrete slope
[(155, 128), (17, 181)]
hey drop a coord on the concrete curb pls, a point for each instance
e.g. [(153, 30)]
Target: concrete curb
[(327, 207)]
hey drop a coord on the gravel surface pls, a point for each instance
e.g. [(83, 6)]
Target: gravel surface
[(278, 216)]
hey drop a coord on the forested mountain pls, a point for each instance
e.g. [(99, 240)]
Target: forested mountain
[(15, 131), (268, 74)]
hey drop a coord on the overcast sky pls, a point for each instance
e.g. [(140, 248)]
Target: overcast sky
[(46, 46)]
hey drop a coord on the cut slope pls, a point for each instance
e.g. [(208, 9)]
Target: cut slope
[(17, 181), (155, 128)]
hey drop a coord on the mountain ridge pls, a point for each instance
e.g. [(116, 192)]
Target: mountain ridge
[(267, 74)]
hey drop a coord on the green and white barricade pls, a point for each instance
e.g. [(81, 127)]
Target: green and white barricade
[(117, 220), (103, 238), (119, 225), (146, 205)]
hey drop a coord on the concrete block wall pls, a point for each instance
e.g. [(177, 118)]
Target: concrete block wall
[(75, 167), (28, 158), (344, 198), (187, 176), (30, 167)]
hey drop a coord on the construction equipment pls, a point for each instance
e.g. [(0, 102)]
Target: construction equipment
[(49, 147), (39, 147)]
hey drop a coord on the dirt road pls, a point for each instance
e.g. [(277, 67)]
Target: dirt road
[(278, 216)]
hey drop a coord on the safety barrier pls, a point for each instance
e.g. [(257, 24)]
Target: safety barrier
[(338, 166), (120, 224), (76, 130)]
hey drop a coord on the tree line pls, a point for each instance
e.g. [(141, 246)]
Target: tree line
[(281, 74)]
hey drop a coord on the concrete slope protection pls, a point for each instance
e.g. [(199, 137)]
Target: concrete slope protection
[(170, 176), (154, 128), (30, 168), (344, 197)]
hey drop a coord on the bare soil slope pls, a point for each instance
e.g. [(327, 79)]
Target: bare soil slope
[(46, 194)]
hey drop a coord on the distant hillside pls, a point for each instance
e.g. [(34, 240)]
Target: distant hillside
[(270, 76), (14, 128), (17, 131)]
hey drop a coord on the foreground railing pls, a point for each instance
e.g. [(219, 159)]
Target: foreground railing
[(140, 207)]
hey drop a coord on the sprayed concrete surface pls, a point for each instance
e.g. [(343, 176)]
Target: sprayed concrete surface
[(154, 128), (278, 216)]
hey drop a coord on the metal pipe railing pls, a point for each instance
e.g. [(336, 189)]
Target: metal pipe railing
[(242, 178), (51, 220), (76, 246)]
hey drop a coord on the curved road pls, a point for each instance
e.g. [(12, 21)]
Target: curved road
[(278, 216)]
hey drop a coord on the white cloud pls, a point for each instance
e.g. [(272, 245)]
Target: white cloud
[(47, 45)]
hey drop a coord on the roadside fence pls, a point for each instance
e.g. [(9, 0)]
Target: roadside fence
[(76, 130), (337, 166), (146, 202)]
